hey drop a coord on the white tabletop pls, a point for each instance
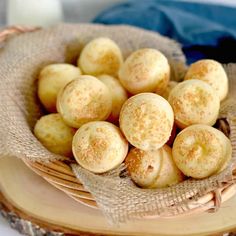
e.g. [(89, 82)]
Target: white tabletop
[(86, 10), (5, 229)]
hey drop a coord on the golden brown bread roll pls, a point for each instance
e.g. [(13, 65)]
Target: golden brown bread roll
[(200, 151), (52, 79), (153, 169), (118, 93), (194, 102), (100, 56), (146, 120), (54, 134), (143, 166), (145, 70), (99, 146), (83, 100), (211, 72), (169, 173)]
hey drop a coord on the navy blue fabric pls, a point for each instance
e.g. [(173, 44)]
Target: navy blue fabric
[(204, 30)]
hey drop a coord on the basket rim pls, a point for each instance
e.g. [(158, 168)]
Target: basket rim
[(57, 172)]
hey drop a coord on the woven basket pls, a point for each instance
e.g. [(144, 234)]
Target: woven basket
[(60, 175)]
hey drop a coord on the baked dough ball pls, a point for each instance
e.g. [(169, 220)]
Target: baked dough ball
[(146, 120), (83, 100), (143, 166), (153, 169), (118, 93), (52, 78), (200, 151), (145, 70), (194, 102), (211, 72), (100, 56), (165, 94), (54, 134), (99, 146), (169, 173)]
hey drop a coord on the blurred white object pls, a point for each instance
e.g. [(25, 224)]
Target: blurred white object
[(34, 12)]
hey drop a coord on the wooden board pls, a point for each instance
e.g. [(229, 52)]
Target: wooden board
[(34, 199)]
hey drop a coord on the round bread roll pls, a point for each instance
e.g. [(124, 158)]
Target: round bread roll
[(200, 151), (52, 78), (83, 100), (118, 93), (153, 169), (165, 94), (145, 70), (211, 72), (146, 120), (100, 56), (194, 102), (143, 166), (99, 146), (54, 134), (169, 173)]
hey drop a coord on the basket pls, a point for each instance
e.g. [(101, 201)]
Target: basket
[(60, 174)]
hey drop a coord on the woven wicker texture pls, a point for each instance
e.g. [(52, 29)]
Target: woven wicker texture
[(116, 195)]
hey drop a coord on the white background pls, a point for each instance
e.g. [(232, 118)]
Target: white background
[(86, 11)]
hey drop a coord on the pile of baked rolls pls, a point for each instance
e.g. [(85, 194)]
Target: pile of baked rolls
[(107, 110)]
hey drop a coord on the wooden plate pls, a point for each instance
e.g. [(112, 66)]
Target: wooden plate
[(36, 200)]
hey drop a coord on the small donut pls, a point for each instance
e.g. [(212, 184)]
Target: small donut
[(83, 100), (165, 94), (153, 169), (52, 79), (100, 56), (211, 72), (194, 102), (146, 120), (118, 93), (99, 146), (200, 151), (54, 134), (145, 70)]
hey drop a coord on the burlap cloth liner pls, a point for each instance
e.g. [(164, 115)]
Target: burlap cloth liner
[(20, 61)]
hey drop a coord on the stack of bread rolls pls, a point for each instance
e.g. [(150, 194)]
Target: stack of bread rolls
[(106, 110)]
